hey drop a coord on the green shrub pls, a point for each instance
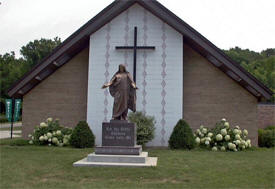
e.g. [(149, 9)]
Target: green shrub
[(223, 137), (82, 136), (270, 127), (3, 118), (266, 137), (182, 136), (145, 127), (50, 133)]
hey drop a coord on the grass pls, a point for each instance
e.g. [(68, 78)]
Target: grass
[(51, 167)]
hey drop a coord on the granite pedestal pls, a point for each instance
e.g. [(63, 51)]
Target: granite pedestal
[(118, 148)]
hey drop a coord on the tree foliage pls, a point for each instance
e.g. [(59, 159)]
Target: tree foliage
[(36, 50), (261, 65), (12, 68)]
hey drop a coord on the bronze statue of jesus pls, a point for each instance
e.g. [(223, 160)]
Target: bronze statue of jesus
[(123, 89)]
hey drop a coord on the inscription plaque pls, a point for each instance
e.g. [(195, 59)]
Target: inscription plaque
[(118, 133)]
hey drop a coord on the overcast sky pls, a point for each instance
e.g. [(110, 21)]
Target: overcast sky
[(226, 23)]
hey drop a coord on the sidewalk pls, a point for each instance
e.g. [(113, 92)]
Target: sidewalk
[(7, 134), (8, 125)]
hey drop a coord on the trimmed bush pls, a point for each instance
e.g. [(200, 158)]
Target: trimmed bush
[(50, 133), (182, 136), (145, 127), (82, 136), (266, 137)]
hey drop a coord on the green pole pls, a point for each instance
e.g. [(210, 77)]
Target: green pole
[(12, 109)]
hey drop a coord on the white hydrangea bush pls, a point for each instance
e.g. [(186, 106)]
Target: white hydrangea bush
[(50, 133), (222, 137)]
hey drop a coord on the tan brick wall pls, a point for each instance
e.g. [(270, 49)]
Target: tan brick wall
[(266, 115), (62, 95), (210, 95)]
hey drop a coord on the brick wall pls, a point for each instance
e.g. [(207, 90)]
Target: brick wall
[(266, 115), (210, 95), (62, 95)]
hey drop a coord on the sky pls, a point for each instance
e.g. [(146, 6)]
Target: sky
[(226, 23)]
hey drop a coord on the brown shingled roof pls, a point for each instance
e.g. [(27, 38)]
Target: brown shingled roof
[(80, 39)]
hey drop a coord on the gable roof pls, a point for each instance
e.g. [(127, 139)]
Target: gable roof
[(80, 40)]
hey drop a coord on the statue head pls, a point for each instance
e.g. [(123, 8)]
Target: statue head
[(121, 68)]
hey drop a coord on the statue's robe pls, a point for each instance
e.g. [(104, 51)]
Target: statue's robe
[(123, 92)]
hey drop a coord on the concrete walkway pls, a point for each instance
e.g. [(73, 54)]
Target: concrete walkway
[(7, 133), (8, 125)]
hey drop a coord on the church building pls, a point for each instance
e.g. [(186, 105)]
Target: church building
[(178, 72)]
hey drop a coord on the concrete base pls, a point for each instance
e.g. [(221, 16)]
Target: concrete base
[(141, 160), (119, 150)]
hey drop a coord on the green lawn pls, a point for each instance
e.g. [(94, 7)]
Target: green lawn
[(51, 167)]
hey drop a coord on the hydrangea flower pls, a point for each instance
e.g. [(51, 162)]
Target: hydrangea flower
[(223, 132), (65, 141), (45, 137), (206, 142), (29, 135), (202, 140), (223, 120), (210, 134), (49, 135), (245, 132), (208, 139), (237, 137), (201, 134), (204, 130), (41, 138), (49, 140), (237, 127), (214, 148), (219, 137), (54, 140), (238, 142), (223, 148), (201, 127), (49, 144), (198, 140), (226, 124), (49, 119), (236, 131), (43, 124), (30, 142), (58, 132)]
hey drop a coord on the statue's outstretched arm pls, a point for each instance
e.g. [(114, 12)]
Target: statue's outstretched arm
[(132, 81), (108, 84)]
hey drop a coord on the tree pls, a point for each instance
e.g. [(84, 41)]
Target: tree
[(36, 50), (12, 68), (261, 65)]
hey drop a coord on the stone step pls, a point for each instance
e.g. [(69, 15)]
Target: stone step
[(150, 162), (119, 150), (118, 158)]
